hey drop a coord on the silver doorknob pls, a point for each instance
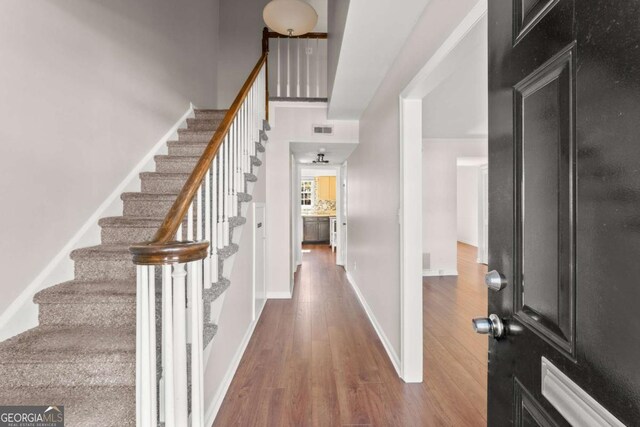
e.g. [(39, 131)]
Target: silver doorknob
[(495, 281), (491, 325)]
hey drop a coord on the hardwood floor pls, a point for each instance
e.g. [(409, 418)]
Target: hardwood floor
[(315, 360)]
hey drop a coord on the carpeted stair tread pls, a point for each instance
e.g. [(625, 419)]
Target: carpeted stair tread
[(209, 114), (227, 251), (88, 292), (106, 252), (236, 221), (83, 406), (127, 221), (148, 196), (195, 135), (70, 345), (250, 177), (203, 124), (165, 175), (255, 161), (216, 290), (210, 331), (244, 197), (259, 147)]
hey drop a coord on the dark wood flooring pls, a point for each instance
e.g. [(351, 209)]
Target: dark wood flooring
[(315, 360)]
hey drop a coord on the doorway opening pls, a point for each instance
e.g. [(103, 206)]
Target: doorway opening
[(444, 132)]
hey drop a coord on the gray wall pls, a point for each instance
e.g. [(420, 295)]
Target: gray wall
[(87, 88), (240, 45)]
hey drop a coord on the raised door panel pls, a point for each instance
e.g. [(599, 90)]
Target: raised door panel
[(545, 191)]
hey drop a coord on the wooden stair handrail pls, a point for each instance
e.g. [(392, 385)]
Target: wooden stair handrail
[(153, 252)]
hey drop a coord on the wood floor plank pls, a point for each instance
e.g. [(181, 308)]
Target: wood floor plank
[(315, 360)]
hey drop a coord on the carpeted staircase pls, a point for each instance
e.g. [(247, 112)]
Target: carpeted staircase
[(82, 354)]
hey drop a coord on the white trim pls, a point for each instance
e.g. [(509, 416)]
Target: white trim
[(220, 394), (279, 295), (395, 360), (410, 219), (571, 401), (445, 272), (22, 314)]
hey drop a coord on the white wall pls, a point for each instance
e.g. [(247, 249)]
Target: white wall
[(374, 232), (291, 122), (467, 205), (88, 87), (440, 210)]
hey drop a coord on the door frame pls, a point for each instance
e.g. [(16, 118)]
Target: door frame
[(256, 205), (296, 211), (410, 217)]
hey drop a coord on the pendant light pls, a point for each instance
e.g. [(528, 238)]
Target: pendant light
[(290, 17)]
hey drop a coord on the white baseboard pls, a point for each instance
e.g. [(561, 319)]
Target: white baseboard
[(214, 406), (22, 313), (395, 360), (445, 272), (279, 295)]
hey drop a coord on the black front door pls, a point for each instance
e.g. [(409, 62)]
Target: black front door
[(564, 201)]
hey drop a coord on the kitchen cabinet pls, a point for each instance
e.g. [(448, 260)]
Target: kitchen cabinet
[(326, 188), (315, 229)]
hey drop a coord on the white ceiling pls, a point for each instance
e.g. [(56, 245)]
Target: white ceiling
[(456, 105), (373, 34), (335, 153)]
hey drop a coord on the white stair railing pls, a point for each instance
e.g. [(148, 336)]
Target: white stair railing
[(300, 64), (169, 388)]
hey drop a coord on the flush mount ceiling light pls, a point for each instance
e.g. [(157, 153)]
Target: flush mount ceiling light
[(320, 159), (290, 17)]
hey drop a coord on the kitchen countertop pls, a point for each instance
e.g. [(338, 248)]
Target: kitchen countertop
[(318, 215)]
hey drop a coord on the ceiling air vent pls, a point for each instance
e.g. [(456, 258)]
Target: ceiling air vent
[(323, 129)]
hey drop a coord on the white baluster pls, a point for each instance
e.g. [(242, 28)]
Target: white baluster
[(298, 69), (180, 345), (152, 360), (220, 194), (190, 222), (227, 190), (278, 70), (199, 214), (207, 228), (288, 67), (142, 414), (197, 370), (308, 83), (168, 405), (214, 218), (317, 68)]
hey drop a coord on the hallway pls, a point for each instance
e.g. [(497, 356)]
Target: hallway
[(316, 359)]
